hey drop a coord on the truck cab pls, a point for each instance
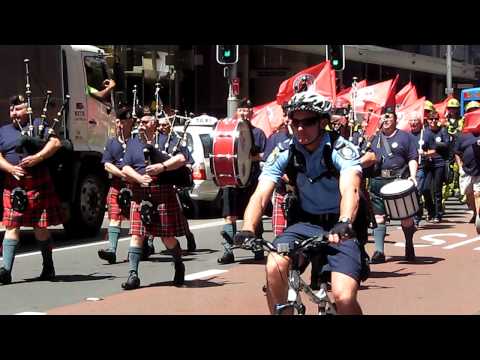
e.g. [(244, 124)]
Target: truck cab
[(79, 176)]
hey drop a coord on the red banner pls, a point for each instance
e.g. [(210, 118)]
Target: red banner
[(346, 94), (268, 117), (406, 96), (287, 88), (405, 113), (441, 108), (472, 122), (325, 83)]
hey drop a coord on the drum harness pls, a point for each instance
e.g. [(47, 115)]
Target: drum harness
[(390, 173)]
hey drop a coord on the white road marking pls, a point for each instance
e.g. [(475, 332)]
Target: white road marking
[(93, 299), (30, 313), (203, 274), (453, 246), (195, 227)]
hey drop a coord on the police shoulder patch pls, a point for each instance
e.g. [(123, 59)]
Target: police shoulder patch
[(347, 153), (274, 155)]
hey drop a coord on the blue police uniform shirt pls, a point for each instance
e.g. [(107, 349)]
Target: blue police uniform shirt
[(431, 140), (135, 157), (403, 147), (274, 140), (9, 135), (464, 148), (114, 152), (319, 197)]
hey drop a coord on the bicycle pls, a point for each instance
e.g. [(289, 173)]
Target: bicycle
[(296, 285)]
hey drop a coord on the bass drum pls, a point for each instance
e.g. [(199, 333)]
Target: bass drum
[(230, 159)]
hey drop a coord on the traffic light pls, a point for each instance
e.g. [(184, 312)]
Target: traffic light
[(227, 54), (336, 55)]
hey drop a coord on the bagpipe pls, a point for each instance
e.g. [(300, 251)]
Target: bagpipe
[(181, 177), (35, 136)]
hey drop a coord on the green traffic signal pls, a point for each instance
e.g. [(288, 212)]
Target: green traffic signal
[(227, 53)]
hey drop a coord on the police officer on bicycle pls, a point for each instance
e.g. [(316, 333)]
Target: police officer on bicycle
[(324, 202)]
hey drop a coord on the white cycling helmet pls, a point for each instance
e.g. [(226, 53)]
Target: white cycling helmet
[(309, 101)]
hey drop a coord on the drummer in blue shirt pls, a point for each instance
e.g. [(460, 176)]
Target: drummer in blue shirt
[(397, 157)]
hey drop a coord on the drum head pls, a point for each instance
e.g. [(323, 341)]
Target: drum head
[(396, 187), (243, 146)]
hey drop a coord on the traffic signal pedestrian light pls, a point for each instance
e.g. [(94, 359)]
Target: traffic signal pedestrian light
[(336, 55), (227, 54)]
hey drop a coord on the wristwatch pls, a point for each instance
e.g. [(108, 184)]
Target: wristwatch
[(345, 220)]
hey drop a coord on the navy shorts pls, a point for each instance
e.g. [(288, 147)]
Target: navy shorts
[(345, 257)]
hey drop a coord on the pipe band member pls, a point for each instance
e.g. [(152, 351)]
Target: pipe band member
[(119, 193), (29, 198), (155, 210), (397, 157), (235, 199)]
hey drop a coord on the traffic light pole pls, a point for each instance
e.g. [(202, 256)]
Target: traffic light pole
[(449, 89), (232, 100)]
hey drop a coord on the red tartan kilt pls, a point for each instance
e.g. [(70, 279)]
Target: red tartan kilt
[(168, 221), (43, 207), (279, 223), (114, 209)]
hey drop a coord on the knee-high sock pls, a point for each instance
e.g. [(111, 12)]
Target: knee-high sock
[(176, 253), (9, 247), (134, 256), (379, 237), (230, 230), (46, 250), (113, 235)]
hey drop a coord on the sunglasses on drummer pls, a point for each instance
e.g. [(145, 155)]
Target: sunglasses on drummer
[(296, 123)]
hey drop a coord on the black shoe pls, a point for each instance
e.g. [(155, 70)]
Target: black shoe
[(191, 246), (48, 273), (377, 258), (107, 254), (179, 278), (259, 256), (133, 281), (227, 258), (5, 276)]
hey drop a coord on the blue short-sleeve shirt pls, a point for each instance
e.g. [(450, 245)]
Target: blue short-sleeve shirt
[(464, 147), (114, 152), (403, 147), (319, 197)]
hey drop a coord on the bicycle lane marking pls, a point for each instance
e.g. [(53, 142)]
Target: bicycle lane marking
[(466, 242), (434, 242)]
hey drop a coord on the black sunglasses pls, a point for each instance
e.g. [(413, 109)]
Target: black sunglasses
[(305, 122)]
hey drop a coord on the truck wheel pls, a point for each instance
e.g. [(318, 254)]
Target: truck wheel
[(88, 210)]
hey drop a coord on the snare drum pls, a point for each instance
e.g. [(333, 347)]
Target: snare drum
[(230, 162), (400, 199)]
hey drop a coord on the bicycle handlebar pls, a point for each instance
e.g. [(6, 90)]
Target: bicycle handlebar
[(311, 242)]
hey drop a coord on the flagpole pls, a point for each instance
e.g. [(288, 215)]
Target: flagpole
[(354, 103)]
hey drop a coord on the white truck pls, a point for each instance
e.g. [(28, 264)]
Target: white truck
[(80, 178)]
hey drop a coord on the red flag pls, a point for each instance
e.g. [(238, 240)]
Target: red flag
[(268, 117), (405, 113), (390, 101), (287, 88), (472, 122), (346, 94), (441, 108), (407, 95), (377, 94), (373, 119), (325, 83)]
